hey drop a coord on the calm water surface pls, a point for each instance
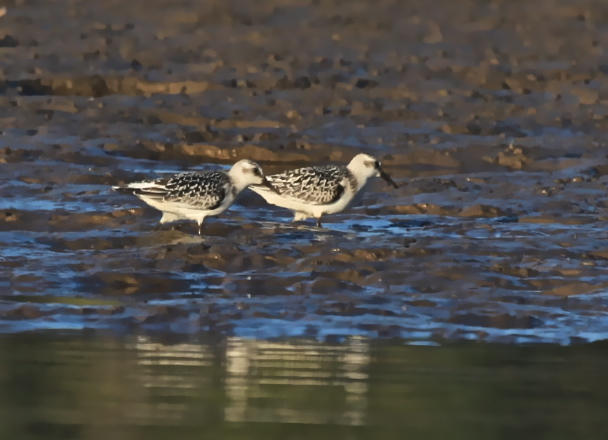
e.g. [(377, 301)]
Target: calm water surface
[(90, 387)]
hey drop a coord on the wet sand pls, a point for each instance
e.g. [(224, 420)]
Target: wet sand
[(492, 121)]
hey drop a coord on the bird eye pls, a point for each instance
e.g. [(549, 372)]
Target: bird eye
[(376, 164), (257, 172)]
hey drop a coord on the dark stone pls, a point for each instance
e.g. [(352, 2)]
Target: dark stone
[(8, 41), (363, 83), (136, 65), (302, 82)]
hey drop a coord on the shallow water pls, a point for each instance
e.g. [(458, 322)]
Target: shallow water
[(89, 387), (418, 277)]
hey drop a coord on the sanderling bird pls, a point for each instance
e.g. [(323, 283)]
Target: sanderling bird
[(196, 195), (318, 190)]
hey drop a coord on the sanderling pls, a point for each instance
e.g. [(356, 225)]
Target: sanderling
[(319, 190), (196, 195)]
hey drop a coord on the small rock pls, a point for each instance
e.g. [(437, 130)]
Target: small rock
[(8, 41), (363, 83), (302, 82), (292, 114)]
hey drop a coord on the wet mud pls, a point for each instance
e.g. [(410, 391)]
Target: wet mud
[(492, 122)]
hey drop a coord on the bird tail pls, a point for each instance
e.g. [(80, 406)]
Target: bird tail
[(123, 189), (150, 188)]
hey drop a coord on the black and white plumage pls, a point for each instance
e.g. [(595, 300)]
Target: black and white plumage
[(318, 190), (319, 185), (196, 195)]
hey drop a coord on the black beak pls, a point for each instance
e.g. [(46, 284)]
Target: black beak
[(267, 184), (387, 178)]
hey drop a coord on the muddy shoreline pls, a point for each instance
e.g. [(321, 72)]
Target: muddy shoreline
[(493, 123)]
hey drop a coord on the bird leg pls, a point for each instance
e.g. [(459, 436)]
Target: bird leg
[(319, 225)]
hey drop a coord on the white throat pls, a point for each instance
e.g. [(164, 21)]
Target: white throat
[(360, 176), (238, 179)]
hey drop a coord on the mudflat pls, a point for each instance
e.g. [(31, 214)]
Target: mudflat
[(492, 120)]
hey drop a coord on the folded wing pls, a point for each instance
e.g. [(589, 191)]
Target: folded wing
[(315, 185), (197, 190)]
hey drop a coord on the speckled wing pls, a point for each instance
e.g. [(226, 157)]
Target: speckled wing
[(320, 185), (204, 190)]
